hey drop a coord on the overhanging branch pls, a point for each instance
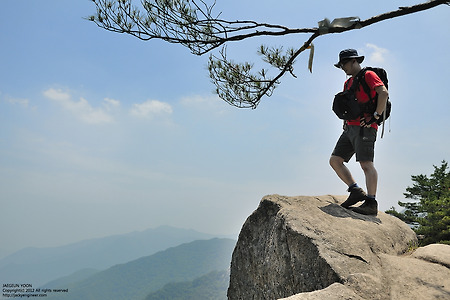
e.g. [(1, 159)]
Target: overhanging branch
[(191, 23), (267, 90)]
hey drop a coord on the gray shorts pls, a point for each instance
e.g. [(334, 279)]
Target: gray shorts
[(351, 142)]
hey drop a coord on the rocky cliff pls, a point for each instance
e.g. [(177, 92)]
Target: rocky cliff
[(311, 248)]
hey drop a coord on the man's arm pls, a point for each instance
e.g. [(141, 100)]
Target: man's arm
[(383, 95)]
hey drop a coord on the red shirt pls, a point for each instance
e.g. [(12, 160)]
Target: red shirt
[(373, 81)]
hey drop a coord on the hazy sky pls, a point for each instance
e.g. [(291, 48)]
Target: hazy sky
[(102, 134)]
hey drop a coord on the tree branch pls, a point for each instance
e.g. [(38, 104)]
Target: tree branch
[(190, 23)]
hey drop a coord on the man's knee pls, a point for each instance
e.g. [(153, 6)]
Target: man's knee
[(336, 161), (367, 165)]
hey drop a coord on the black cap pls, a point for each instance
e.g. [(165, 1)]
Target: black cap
[(348, 54)]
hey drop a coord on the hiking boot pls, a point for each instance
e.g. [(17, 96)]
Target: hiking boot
[(369, 207), (356, 194)]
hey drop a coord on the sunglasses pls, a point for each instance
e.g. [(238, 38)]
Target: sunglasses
[(344, 61)]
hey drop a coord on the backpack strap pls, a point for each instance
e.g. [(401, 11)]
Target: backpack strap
[(373, 101), (355, 85), (365, 86), (356, 80)]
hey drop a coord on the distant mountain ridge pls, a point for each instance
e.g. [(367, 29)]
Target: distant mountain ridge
[(71, 279), (212, 286), (41, 265), (139, 278)]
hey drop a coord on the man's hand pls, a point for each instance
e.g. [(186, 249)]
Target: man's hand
[(364, 123)]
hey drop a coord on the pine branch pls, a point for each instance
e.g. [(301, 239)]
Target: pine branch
[(192, 24)]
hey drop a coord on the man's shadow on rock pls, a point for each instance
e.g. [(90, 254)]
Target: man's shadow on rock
[(338, 211)]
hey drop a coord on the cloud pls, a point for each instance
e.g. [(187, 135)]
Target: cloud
[(82, 109), (377, 54), (150, 109), (210, 103), (21, 102), (110, 104), (198, 100), (57, 95)]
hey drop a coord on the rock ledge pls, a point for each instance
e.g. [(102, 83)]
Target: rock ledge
[(311, 248)]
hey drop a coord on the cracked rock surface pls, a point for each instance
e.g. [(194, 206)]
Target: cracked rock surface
[(311, 248)]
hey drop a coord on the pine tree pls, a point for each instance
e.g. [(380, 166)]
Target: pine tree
[(429, 213)]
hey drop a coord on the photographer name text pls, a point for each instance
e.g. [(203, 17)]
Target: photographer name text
[(26, 290)]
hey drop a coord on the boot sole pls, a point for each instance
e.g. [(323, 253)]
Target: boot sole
[(364, 212)]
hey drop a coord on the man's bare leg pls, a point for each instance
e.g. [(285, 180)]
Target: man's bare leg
[(356, 193), (370, 206), (371, 177), (337, 163)]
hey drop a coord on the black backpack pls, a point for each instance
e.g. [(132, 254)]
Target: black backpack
[(345, 105), (372, 103)]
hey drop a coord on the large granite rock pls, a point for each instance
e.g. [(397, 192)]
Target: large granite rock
[(311, 248)]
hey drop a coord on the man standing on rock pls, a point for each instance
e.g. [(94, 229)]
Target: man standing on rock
[(359, 136)]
